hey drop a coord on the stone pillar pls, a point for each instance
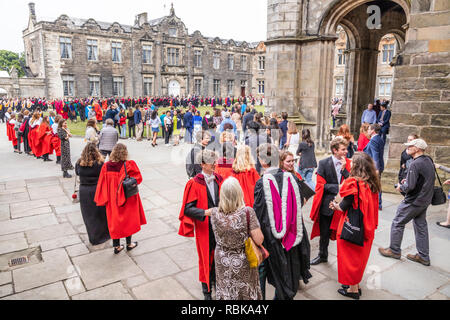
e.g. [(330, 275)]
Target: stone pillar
[(421, 92)]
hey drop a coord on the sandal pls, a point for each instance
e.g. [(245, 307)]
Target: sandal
[(132, 246), (119, 249)]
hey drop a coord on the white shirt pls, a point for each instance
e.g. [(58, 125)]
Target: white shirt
[(337, 167), (55, 128), (209, 179)]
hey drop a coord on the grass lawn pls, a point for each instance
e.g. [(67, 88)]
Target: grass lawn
[(78, 128)]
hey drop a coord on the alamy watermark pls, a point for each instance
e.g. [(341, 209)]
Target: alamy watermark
[(374, 20)]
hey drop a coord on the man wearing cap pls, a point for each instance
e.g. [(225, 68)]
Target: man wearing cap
[(418, 187)]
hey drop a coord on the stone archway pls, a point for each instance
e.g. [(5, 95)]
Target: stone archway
[(174, 88)]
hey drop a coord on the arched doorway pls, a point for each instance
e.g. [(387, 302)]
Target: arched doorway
[(174, 88)]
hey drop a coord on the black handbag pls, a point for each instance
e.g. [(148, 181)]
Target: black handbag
[(130, 185), (353, 229), (439, 197)]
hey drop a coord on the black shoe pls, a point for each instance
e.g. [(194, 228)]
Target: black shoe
[(352, 295), (132, 246), (58, 162), (347, 287), (207, 296), (119, 250), (318, 260), (47, 160)]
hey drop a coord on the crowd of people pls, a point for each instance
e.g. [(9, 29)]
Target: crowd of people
[(250, 176)]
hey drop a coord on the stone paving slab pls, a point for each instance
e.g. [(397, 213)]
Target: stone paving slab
[(5, 277), (114, 291), (50, 232), (183, 255), (13, 245), (165, 266), (153, 228), (189, 280), (45, 192), (74, 286), (412, 280), (58, 242), (157, 243), (32, 212), (162, 289), (54, 291), (446, 290), (77, 250), (68, 208), (56, 266), (439, 254), (135, 281), (27, 223), (75, 218), (92, 268), (28, 205), (6, 290)]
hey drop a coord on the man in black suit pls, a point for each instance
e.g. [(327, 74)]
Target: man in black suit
[(383, 120), (249, 116), (331, 173)]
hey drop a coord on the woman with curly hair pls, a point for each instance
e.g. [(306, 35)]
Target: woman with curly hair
[(88, 168), (359, 190), (344, 132), (125, 216)]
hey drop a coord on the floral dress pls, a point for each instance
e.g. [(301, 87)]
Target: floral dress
[(66, 163), (234, 278)]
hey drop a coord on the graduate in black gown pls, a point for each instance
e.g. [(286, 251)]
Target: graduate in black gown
[(285, 235), (88, 168)]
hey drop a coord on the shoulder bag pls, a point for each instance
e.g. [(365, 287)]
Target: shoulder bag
[(353, 229), (439, 197), (255, 254), (130, 185)]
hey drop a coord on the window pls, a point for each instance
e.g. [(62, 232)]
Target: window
[(198, 86), (66, 47), (243, 83), (118, 86), (172, 32), (92, 50), (230, 62), (385, 87), (94, 86), (173, 56), (216, 63), (244, 63), (261, 87), (147, 54), (262, 63), (339, 86), (197, 58), (340, 57), (68, 86), (116, 51), (230, 87), (388, 52), (148, 86), (216, 88)]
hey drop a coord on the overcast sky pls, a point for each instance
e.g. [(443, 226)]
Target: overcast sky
[(228, 19)]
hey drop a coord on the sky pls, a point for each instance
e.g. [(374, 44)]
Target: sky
[(241, 20)]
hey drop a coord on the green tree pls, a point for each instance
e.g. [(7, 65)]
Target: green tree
[(10, 59)]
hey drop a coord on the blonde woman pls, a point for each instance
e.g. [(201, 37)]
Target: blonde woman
[(232, 224), (293, 139), (244, 171)]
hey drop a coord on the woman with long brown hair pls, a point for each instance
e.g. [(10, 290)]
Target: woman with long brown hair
[(125, 215), (88, 168), (361, 188), (344, 132)]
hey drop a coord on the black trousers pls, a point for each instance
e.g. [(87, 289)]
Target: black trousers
[(168, 133), (212, 279), (325, 232), (133, 127), (116, 242)]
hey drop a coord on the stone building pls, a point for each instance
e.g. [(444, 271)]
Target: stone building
[(300, 58), (79, 57), (12, 86)]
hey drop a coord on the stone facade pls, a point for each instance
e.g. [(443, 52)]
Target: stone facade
[(177, 63), (12, 86)]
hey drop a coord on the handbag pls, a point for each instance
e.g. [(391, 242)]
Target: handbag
[(353, 229), (130, 185), (439, 197), (255, 254)]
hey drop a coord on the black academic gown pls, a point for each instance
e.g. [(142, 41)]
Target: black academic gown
[(284, 268)]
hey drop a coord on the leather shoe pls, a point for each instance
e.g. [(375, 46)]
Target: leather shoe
[(347, 294), (207, 296), (388, 253), (318, 260), (417, 258), (347, 287)]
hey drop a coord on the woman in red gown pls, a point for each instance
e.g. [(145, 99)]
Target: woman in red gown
[(364, 138), (44, 140), (34, 125), (244, 171), (125, 216), (352, 259)]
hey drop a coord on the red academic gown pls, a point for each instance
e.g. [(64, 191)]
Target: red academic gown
[(247, 180), (196, 191), (315, 214), (363, 141), (224, 168), (11, 133), (32, 138), (43, 143), (98, 112), (125, 216), (352, 259), (56, 144)]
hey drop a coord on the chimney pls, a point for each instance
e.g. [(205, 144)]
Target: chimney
[(141, 19), (32, 7)]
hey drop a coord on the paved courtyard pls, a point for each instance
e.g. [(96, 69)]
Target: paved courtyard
[(38, 220)]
